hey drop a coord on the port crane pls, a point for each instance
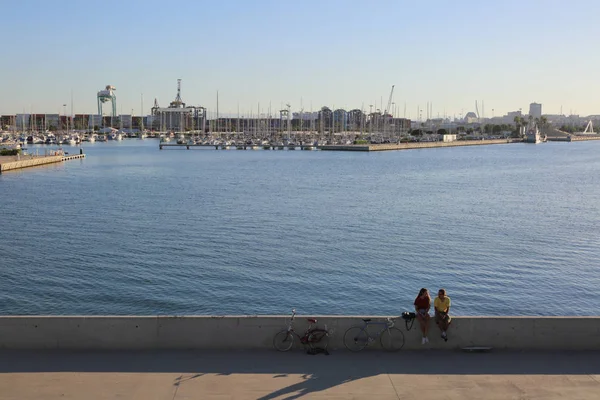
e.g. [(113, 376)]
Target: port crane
[(389, 104), (107, 95), (387, 116)]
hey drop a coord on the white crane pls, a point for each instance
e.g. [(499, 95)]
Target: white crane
[(386, 112), (389, 104)]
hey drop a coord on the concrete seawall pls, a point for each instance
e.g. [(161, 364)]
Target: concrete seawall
[(413, 145), (256, 332), (26, 162)]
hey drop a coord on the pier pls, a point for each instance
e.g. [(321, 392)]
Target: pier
[(8, 163), (573, 138), (413, 145), (238, 147), (347, 147)]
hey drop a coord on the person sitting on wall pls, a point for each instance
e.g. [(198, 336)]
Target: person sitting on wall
[(441, 305), (422, 307)]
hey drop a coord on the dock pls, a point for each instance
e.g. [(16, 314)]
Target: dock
[(350, 147), (73, 157), (8, 163), (573, 138), (238, 147), (413, 145)]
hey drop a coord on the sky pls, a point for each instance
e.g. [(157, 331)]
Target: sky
[(261, 55)]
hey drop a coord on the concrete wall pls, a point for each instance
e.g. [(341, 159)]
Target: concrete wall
[(29, 161), (256, 332), (412, 145), (423, 145)]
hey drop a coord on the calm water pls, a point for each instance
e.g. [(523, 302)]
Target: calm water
[(506, 229)]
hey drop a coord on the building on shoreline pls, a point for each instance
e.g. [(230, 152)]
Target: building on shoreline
[(179, 117), (535, 110)]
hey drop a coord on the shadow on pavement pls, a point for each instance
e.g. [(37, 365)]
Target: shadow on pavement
[(318, 372)]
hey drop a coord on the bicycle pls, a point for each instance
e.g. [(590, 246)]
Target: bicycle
[(284, 339), (357, 338)]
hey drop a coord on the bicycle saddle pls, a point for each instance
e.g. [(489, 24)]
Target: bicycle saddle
[(311, 320), (367, 320)]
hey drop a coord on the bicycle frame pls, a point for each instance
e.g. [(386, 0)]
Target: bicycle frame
[(358, 337), (386, 325), (291, 325)]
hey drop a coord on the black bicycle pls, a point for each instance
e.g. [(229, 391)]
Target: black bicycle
[(313, 336)]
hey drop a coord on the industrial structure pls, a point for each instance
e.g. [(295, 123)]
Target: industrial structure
[(178, 117), (107, 95)]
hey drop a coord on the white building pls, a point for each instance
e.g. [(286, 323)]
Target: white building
[(471, 118), (449, 137)]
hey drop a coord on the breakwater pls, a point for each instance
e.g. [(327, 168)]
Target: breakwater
[(350, 147), (413, 145), (11, 163), (256, 332)]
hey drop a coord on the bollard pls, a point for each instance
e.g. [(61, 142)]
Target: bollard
[(80, 151)]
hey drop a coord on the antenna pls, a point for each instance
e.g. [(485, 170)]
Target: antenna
[(482, 109), (177, 103), (178, 98)]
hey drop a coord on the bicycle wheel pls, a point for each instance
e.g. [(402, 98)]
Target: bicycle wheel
[(283, 340), (356, 338), (318, 338), (392, 339)]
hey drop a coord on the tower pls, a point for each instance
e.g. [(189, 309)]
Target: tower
[(177, 103), (535, 110)]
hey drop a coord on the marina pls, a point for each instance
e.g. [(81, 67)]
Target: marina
[(182, 126)]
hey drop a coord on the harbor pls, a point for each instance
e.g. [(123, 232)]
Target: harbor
[(318, 200), (257, 220)]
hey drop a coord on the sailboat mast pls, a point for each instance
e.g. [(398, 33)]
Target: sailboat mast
[(72, 109), (142, 111)]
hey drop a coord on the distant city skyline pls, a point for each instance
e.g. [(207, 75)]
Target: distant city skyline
[(341, 54)]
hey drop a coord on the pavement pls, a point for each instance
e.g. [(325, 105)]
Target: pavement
[(264, 375)]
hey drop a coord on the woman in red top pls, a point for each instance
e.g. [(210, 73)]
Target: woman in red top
[(422, 307)]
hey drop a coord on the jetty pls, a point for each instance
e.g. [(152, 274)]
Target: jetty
[(345, 147), (573, 138), (415, 145), (8, 163), (189, 146)]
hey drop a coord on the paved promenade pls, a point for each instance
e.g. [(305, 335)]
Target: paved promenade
[(266, 375)]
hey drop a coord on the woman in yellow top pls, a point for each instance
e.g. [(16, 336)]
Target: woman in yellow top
[(441, 305)]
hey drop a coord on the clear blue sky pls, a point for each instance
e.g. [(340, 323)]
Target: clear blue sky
[(337, 53)]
